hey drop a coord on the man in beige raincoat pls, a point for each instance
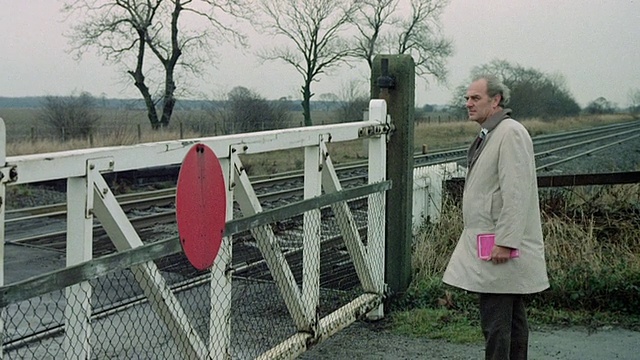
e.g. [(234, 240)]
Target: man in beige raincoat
[(501, 198)]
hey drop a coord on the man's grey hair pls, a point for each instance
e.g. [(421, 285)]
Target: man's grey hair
[(495, 86)]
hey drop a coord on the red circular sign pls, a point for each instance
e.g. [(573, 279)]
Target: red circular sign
[(201, 206)]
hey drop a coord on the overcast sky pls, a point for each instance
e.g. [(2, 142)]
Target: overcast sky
[(594, 44)]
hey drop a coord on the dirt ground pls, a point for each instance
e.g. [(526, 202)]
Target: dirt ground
[(370, 341)]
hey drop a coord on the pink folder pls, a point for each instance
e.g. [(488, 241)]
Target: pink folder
[(485, 245)]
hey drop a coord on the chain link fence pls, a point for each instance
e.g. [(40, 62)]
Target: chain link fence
[(149, 303)]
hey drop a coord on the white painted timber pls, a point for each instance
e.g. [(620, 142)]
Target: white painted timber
[(427, 191), (124, 237), (269, 247), (65, 164), (311, 239), (89, 196), (376, 229), (220, 287), (347, 224), (79, 249)]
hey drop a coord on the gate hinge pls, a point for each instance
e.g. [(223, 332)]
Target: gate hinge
[(373, 130), (9, 174)]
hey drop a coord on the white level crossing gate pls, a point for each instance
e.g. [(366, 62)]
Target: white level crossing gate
[(131, 304)]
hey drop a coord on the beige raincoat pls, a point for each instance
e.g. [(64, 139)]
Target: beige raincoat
[(501, 197)]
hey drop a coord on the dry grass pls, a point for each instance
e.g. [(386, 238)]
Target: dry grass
[(592, 248), (435, 242), (444, 135), (118, 137), (455, 134), (541, 127), (597, 226)]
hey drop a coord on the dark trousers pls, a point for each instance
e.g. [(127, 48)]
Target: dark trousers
[(503, 319)]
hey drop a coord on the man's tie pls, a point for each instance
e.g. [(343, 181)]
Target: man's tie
[(481, 136), (473, 153)]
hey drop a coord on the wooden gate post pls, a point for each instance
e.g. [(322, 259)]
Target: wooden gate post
[(393, 79)]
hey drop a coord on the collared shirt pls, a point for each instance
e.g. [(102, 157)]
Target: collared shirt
[(478, 144)]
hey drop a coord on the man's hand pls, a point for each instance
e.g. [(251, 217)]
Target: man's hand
[(500, 254)]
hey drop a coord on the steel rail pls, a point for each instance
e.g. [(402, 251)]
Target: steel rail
[(588, 152)]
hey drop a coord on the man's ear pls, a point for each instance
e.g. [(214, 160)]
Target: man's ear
[(495, 101)]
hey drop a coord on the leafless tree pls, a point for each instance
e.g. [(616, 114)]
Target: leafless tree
[(634, 100), (533, 92), (313, 30), (600, 106), (404, 27), (72, 117), (155, 41), (354, 99), (245, 111)]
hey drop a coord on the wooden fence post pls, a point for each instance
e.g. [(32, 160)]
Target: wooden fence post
[(393, 79)]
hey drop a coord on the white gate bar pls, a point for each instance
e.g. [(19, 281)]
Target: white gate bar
[(79, 249), (311, 238), (347, 224), (64, 164), (124, 236), (220, 285), (269, 247), (376, 227)]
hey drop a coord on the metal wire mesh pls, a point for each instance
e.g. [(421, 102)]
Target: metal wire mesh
[(133, 314)]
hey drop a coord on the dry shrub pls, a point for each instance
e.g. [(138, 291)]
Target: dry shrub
[(567, 242), (593, 248), (592, 244), (435, 242)]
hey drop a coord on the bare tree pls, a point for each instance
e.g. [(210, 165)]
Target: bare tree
[(385, 26), (152, 40), (533, 93), (72, 117), (634, 100), (354, 100), (313, 29), (600, 106), (247, 111), (328, 100)]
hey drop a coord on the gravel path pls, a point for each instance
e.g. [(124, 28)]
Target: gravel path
[(367, 341)]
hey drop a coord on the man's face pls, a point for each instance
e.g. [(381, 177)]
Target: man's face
[(479, 105)]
